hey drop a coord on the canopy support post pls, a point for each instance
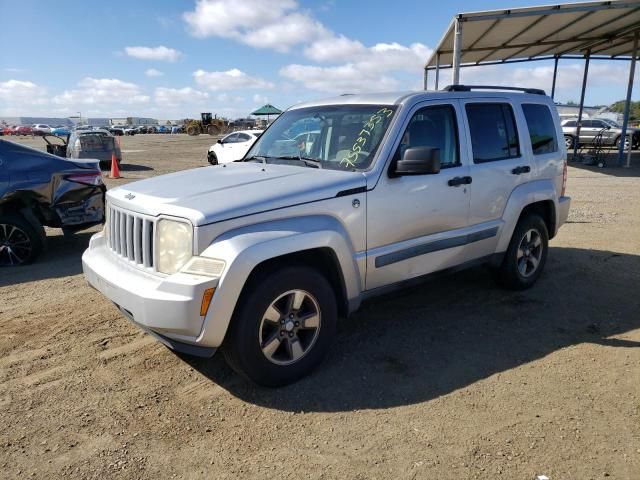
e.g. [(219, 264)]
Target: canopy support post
[(555, 74), (457, 50), (627, 105), (437, 70), (576, 141), (426, 77)]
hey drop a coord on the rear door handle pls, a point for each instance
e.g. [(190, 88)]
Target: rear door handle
[(457, 181), (521, 169)]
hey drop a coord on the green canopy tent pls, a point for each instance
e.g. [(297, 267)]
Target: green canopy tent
[(267, 110)]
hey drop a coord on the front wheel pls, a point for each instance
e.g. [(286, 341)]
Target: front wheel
[(20, 242), (283, 326), (527, 254), (212, 158)]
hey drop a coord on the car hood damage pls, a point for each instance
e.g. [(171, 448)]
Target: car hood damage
[(212, 194)]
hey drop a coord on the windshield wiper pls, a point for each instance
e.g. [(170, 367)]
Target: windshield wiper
[(310, 162), (262, 158)]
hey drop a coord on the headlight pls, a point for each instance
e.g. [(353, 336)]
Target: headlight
[(174, 245)]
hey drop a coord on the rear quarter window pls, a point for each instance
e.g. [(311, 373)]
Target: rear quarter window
[(542, 130)]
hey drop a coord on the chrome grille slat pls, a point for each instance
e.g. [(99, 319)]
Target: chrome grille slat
[(130, 236)]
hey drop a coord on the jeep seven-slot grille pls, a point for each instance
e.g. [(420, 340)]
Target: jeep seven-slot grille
[(130, 235)]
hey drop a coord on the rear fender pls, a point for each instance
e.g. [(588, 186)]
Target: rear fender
[(245, 248), (523, 195)]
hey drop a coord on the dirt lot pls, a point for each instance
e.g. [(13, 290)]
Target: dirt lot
[(453, 379)]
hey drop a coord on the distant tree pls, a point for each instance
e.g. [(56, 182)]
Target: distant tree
[(634, 110), (572, 103)]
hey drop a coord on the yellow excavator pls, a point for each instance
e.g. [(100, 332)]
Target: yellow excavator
[(207, 124)]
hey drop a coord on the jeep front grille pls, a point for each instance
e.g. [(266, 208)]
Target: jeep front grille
[(130, 235)]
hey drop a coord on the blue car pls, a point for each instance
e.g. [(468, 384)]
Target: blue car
[(61, 131)]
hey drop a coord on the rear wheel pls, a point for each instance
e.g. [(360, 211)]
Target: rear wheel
[(527, 254), (626, 143), (20, 242), (283, 326)]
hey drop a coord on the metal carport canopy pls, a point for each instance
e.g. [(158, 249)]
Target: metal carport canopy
[(590, 30), (538, 33)]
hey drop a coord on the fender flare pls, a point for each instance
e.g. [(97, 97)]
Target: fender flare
[(521, 196), (243, 249)]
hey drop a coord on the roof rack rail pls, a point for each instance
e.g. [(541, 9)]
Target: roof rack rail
[(468, 88)]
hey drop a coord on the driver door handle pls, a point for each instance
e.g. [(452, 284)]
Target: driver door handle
[(521, 169), (457, 181)]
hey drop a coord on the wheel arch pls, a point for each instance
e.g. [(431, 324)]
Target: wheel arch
[(533, 197), (320, 242)]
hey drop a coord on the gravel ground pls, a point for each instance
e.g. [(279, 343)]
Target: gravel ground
[(452, 379)]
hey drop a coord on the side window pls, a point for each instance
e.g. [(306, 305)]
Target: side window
[(542, 130), (587, 124), (243, 137), (434, 127), (493, 131), (570, 123), (231, 138)]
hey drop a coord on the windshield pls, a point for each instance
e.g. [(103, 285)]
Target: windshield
[(342, 137)]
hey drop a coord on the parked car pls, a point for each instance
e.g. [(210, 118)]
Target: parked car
[(232, 147), (38, 189), (96, 144), (5, 130), (592, 128), (260, 257), (23, 130), (163, 129), (40, 128), (116, 130), (61, 131), (129, 130)]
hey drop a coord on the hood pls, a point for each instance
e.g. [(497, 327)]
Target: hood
[(212, 194)]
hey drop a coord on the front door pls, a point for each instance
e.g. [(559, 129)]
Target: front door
[(416, 223)]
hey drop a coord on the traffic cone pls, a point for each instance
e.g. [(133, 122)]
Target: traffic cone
[(115, 170)]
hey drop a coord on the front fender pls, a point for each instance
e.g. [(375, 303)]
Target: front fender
[(523, 195), (246, 247)]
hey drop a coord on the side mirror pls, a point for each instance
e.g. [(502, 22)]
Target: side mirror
[(219, 141), (418, 161), (608, 127)]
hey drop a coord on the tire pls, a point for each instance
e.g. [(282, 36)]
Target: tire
[(516, 272), (267, 341), (213, 130), (212, 158), (20, 241), (193, 130), (626, 143), (568, 141)]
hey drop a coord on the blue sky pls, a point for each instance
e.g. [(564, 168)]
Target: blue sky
[(171, 59)]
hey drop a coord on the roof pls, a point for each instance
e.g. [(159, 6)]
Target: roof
[(396, 98), (536, 33)]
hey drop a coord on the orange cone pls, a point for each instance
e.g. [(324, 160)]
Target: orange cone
[(115, 170)]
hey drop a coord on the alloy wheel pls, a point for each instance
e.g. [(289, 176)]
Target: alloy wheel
[(529, 253), (15, 245), (289, 327)]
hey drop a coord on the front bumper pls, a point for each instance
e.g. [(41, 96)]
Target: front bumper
[(166, 306)]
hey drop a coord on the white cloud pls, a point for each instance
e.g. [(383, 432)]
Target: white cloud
[(152, 72), (14, 70), (372, 69), (229, 80), (20, 92), (276, 24), (260, 99), (160, 53), (173, 97), (101, 91)]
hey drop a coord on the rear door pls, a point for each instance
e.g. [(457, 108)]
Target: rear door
[(499, 165)]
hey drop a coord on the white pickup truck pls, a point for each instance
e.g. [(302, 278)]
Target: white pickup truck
[(261, 257)]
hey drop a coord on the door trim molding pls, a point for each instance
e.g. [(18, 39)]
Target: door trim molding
[(434, 246)]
